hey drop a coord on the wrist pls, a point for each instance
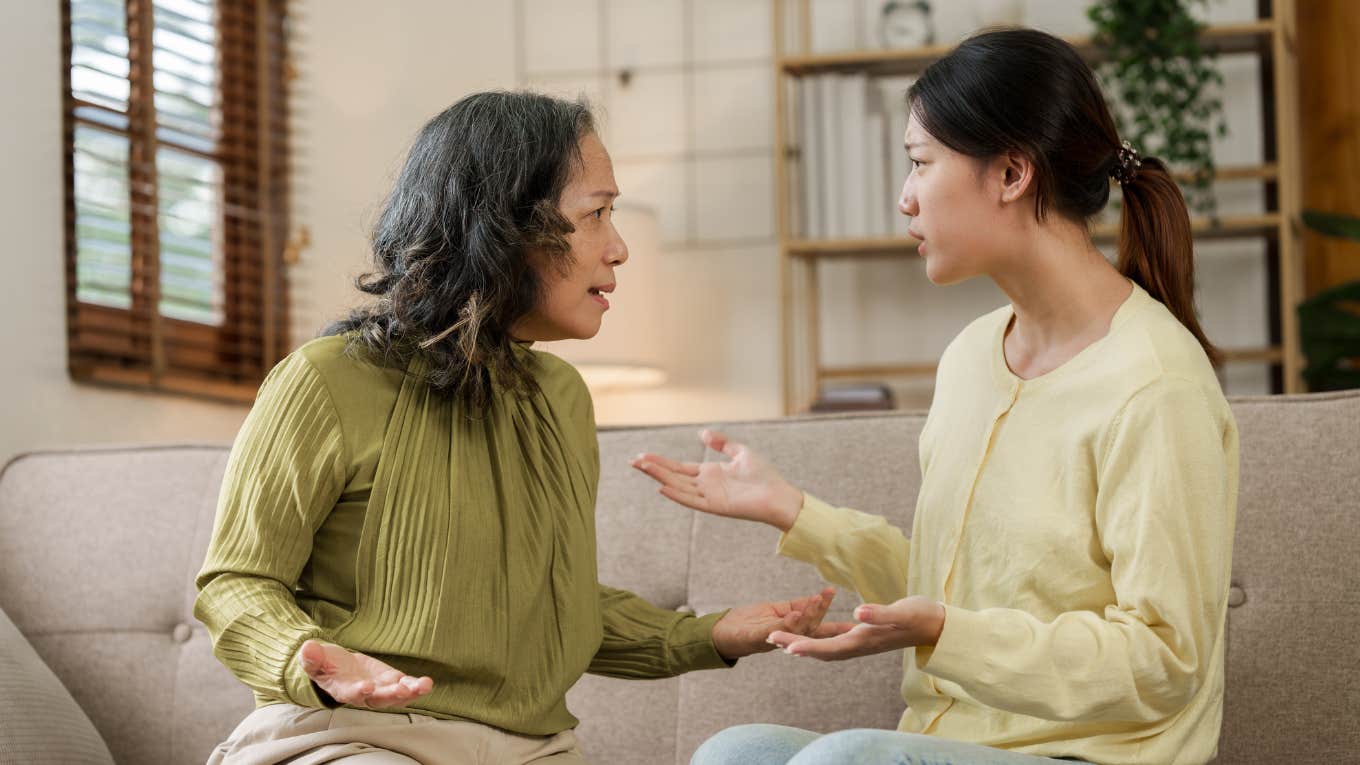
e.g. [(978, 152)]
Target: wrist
[(937, 629), (784, 509)]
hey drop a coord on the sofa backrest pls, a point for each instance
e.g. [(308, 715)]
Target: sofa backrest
[(98, 549)]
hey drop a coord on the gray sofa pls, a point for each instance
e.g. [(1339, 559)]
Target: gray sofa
[(98, 549)]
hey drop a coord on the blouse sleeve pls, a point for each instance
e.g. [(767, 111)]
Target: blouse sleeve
[(285, 473)]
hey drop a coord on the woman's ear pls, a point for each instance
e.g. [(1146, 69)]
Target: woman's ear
[(1017, 176)]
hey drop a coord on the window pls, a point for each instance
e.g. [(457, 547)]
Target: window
[(176, 193)]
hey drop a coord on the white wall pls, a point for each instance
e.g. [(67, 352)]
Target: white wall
[(39, 406), (371, 74), (690, 135), (370, 79)]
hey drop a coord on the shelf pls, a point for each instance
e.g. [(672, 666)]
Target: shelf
[(1224, 38), (1233, 227), (1271, 40), (924, 369), (1269, 355)]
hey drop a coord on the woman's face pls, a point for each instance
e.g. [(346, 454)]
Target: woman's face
[(575, 296), (955, 207)]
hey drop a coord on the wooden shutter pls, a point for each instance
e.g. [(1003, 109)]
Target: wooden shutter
[(176, 189)]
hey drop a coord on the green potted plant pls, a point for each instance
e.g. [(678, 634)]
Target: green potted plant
[(1162, 81), (1329, 322)]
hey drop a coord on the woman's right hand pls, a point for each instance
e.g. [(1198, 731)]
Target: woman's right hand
[(745, 486), (357, 680)]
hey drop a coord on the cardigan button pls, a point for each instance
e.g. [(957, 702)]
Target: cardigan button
[(1236, 596), (182, 633)]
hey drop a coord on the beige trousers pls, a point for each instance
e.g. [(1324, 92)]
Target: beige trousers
[(286, 733)]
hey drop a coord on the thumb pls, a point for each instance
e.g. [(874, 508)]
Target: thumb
[(313, 656), (718, 442), (871, 613)]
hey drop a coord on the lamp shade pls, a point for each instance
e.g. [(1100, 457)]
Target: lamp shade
[(628, 353)]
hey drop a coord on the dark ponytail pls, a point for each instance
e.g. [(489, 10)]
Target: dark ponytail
[(1028, 91), (1155, 244)]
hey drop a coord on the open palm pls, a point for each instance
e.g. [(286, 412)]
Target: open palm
[(745, 486), (359, 680)]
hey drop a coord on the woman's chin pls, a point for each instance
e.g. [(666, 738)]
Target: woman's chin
[(940, 274), (585, 331)]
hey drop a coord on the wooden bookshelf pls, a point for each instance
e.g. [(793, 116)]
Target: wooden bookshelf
[(1249, 37), (1269, 37), (1271, 354)]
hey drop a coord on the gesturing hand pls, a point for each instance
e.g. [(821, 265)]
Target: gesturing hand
[(745, 486), (358, 680), (912, 621), (744, 630)]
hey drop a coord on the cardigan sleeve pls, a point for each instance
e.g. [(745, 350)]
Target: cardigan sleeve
[(285, 473), (851, 549), (1165, 515)]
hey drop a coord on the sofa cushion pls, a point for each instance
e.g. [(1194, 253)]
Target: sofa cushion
[(98, 552), (40, 722)]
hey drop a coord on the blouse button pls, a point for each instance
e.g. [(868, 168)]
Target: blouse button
[(686, 609)]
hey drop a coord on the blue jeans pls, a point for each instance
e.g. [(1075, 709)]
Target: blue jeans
[(782, 745)]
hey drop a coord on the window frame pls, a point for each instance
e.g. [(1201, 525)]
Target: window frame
[(138, 346)]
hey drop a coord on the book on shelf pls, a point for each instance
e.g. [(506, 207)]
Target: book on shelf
[(828, 145), (854, 397), (810, 160), (852, 163), (854, 174)]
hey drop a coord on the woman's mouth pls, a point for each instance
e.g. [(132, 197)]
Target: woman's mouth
[(598, 294)]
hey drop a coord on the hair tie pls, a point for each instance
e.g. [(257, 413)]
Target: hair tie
[(1127, 162)]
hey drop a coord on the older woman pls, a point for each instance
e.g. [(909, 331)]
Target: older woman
[(403, 563)]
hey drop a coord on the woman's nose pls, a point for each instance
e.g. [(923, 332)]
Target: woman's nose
[(906, 202), (617, 254)]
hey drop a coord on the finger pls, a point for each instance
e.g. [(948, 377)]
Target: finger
[(800, 615), (718, 442), (668, 477), (352, 692), (389, 677), (813, 609), (683, 468), (418, 685), (390, 695), (821, 603), (847, 645)]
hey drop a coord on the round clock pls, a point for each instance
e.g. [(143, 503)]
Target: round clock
[(906, 24)]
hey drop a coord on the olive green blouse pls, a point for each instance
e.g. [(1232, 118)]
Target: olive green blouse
[(362, 508)]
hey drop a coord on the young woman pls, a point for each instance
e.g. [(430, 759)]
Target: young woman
[(403, 563), (1063, 590)]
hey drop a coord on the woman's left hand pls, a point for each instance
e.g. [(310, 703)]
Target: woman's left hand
[(744, 630), (912, 621)]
